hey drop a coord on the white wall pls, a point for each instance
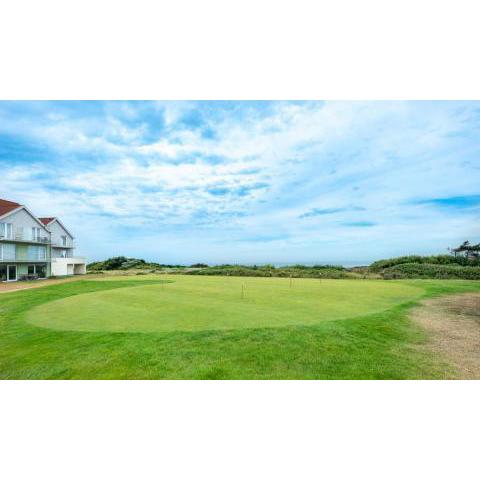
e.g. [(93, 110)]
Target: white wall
[(57, 232), (68, 266), (23, 221)]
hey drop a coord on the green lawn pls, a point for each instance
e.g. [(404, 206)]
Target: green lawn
[(202, 327), (192, 303)]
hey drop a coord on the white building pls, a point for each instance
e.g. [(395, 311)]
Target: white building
[(64, 262), (32, 247)]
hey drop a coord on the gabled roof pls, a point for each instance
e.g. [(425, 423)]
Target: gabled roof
[(7, 206), (46, 220)]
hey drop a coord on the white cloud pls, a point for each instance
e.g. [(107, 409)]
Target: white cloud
[(257, 175)]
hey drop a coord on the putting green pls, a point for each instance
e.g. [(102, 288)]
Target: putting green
[(193, 303)]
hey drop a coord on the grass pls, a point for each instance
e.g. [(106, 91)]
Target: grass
[(336, 329), (219, 303)]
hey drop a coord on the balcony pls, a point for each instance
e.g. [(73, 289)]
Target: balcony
[(19, 257), (22, 238), (59, 244), (69, 259)]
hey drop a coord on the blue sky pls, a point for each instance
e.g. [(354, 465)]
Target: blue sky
[(254, 182)]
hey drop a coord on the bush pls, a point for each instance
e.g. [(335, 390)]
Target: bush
[(417, 259), (131, 263), (124, 263), (436, 271), (296, 271), (113, 263)]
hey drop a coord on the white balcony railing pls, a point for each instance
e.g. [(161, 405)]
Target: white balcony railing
[(9, 252), (18, 257), (18, 237), (74, 260), (67, 255), (59, 244)]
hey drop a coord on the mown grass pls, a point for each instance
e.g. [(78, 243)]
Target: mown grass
[(382, 345), (210, 303)]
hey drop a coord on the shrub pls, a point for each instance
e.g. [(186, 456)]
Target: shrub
[(417, 259), (131, 263), (296, 271), (124, 263), (436, 271)]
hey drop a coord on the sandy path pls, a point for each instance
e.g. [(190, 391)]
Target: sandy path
[(15, 286), (453, 324)]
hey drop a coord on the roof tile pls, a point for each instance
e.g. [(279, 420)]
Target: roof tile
[(7, 206), (46, 220)]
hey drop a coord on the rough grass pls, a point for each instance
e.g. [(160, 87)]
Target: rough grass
[(295, 271), (453, 326), (382, 345)]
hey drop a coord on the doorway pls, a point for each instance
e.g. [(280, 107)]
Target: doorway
[(11, 273), (3, 272)]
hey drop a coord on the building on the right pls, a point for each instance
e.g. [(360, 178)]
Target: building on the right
[(63, 259)]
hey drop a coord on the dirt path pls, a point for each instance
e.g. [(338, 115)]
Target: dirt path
[(14, 286), (453, 324)]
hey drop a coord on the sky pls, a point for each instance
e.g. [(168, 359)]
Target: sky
[(248, 182)]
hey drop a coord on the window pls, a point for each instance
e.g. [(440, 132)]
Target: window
[(41, 270), (64, 241), (7, 251), (6, 230), (32, 252), (8, 273), (35, 233), (37, 253)]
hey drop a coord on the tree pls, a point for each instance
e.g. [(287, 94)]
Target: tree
[(474, 251), (469, 251)]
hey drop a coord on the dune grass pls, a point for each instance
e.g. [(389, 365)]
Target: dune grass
[(363, 339)]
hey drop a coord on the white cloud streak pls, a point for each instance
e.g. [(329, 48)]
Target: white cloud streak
[(253, 177)]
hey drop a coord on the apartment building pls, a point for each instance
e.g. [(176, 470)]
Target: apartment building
[(33, 247)]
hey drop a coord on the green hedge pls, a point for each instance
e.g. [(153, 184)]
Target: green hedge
[(425, 270), (432, 260)]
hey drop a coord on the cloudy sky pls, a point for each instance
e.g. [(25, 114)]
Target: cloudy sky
[(336, 182)]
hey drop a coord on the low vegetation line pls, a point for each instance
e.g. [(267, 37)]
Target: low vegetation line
[(462, 263)]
